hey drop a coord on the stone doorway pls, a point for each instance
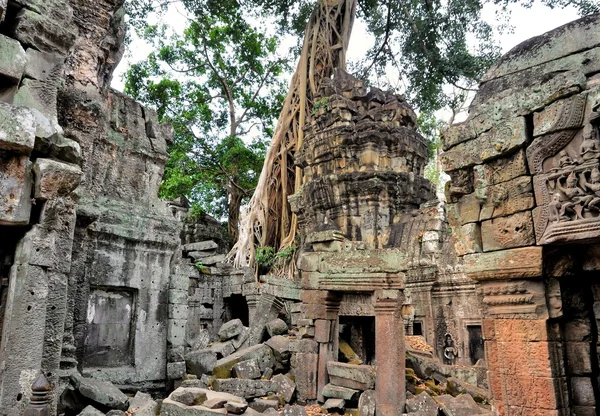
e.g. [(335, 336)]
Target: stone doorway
[(236, 307), (357, 339), (476, 348)]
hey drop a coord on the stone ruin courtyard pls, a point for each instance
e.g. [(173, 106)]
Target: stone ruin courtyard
[(487, 304)]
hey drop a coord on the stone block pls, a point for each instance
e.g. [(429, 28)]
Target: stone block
[(172, 408), (175, 370), (506, 198), (103, 393), (422, 403), (322, 329), (176, 354), (12, 59), (17, 129), (500, 170), (178, 297), (467, 239), (582, 391), (15, 182), (517, 263), (337, 392), (334, 406), (247, 389), (241, 341), (465, 211), (212, 260), (189, 397), (178, 311), (38, 95), (90, 411), (280, 346), (37, 248), (260, 405), (578, 358), (463, 405), (285, 386), (176, 331), (276, 327), (43, 32), (501, 140), (223, 349), (262, 353), (230, 329), (40, 64), (359, 377), (54, 179), (306, 373), (235, 408), (367, 404), (3, 4), (143, 404), (294, 410), (508, 232), (247, 369), (200, 362), (201, 246)]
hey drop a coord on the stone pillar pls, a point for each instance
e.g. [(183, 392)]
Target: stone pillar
[(390, 383), (326, 334)]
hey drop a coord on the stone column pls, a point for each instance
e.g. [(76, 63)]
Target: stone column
[(326, 334), (390, 383)]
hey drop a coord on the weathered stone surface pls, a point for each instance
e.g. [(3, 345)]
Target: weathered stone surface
[(276, 327), (500, 170), (189, 397), (176, 370), (284, 386), (236, 408), (367, 405), (16, 181), (506, 264), (506, 198), (13, 60), (201, 246), (246, 369), (40, 64), (463, 405), (334, 405), (201, 362), (422, 403), (54, 179), (101, 392), (244, 388), (465, 211), (142, 404), (43, 32), (172, 408), (508, 232), (294, 410), (17, 129), (262, 353), (91, 411), (216, 403), (456, 387), (467, 239), (260, 405), (338, 392), (230, 329), (281, 348), (359, 377), (223, 349)]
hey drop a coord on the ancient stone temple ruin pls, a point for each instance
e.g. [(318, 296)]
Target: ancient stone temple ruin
[(112, 300)]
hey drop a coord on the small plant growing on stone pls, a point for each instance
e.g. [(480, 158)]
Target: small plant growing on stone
[(287, 253), (201, 267), (321, 103), (265, 256)]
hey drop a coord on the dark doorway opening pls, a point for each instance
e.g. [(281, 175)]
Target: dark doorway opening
[(357, 339), (417, 328), (476, 345), (236, 307)]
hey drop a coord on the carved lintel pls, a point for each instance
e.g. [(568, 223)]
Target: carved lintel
[(518, 263), (513, 297)]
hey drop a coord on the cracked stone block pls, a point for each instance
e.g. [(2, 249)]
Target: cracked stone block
[(17, 129), (12, 59), (284, 386), (15, 183), (360, 377), (231, 329), (54, 179), (103, 393), (247, 369)]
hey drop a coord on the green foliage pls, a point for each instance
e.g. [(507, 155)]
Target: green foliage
[(320, 103), (201, 267), (218, 85), (286, 253), (265, 257)]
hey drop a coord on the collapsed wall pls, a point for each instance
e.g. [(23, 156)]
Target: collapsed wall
[(523, 197)]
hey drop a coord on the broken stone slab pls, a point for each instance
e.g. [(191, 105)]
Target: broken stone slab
[(102, 392), (271, 412), (359, 377), (338, 392), (334, 406), (260, 405), (216, 403), (422, 403), (201, 341), (235, 407), (189, 397), (262, 353), (212, 260), (241, 341), (285, 386), (201, 362), (17, 129), (267, 374), (463, 405), (366, 403), (223, 349), (12, 60), (91, 411), (172, 408), (201, 255), (230, 329), (276, 327), (247, 389), (281, 348), (54, 179), (142, 404), (294, 410), (246, 370), (200, 246)]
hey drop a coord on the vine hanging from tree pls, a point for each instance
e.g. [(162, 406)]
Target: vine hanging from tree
[(268, 220)]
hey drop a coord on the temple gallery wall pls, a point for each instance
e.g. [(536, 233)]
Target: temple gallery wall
[(114, 301)]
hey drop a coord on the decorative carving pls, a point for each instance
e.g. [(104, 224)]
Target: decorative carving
[(450, 350), (567, 176), (513, 297)]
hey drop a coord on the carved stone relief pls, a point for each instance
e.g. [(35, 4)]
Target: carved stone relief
[(566, 168)]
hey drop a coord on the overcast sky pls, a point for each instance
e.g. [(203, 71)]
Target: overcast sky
[(527, 23)]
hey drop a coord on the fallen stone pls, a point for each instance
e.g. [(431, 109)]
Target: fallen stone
[(142, 405), (281, 348), (367, 404), (230, 329), (236, 408), (267, 374), (172, 408), (102, 392), (201, 362), (456, 387), (334, 405), (189, 397), (251, 412), (284, 386), (276, 327), (260, 405), (422, 403), (338, 392), (241, 341), (91, 411), (223, 349), (247, 389), (271, 412), (359, 377), (246, 369), (116, 413), (216, 403), (200, 246), (201, 340), (294, 410), (463, 405), (262, 353)]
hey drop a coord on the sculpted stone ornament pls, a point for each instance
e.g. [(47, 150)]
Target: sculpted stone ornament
[(566, 168)]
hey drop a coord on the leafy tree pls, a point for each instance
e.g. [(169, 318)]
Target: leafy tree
[(218, 84)]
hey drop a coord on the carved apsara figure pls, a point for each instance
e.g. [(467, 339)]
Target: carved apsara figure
[(589, 148), (576, 197), (450, 351), (593, 186), (565, 160), (407, 311)]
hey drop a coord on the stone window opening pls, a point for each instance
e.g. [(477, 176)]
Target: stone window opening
[(417, 328), (357, 339)]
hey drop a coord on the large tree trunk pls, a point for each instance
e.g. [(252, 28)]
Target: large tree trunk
[(268, 220), (233, 212)]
